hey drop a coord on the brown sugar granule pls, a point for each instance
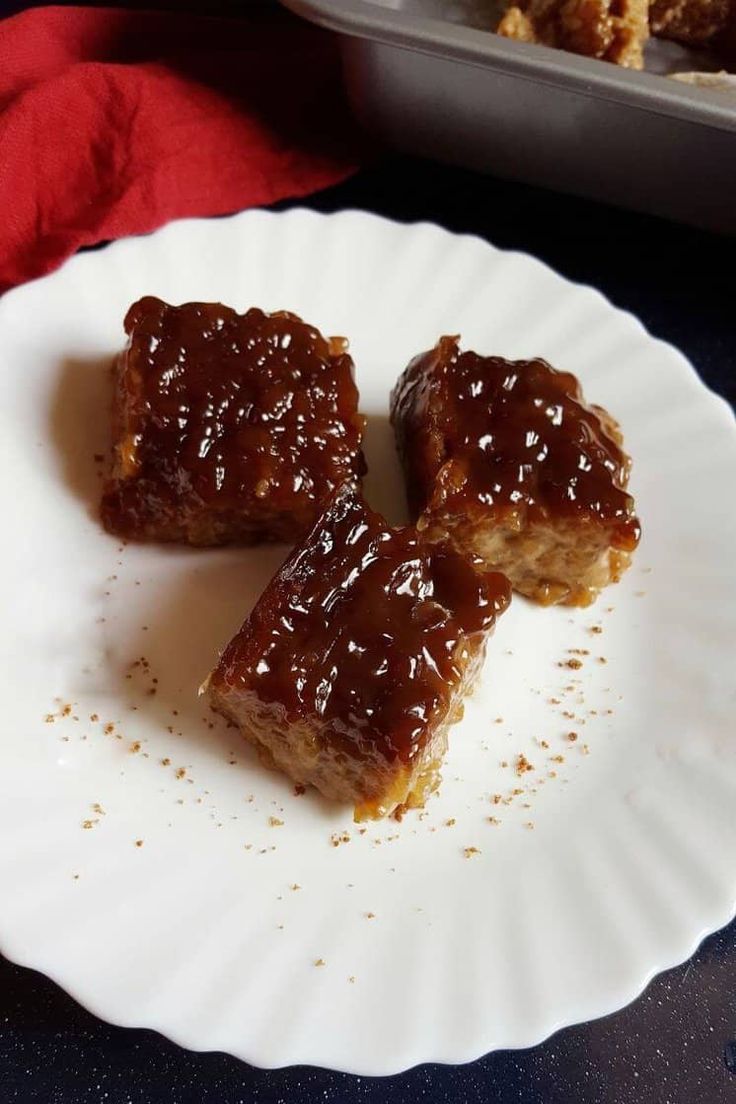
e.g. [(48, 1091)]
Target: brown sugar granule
[(596, 629), (572, 737), (319, 962), (468, 852), (166, 762), (299, 790), (135, 747), (109, 728), (523, 765), (340, 837), (274, 822), (573, 664), (66, 710), (450, 823), (181, 772), (139, 843)]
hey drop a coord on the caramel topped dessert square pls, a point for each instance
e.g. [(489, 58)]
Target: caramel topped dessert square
[(612, 30), (508, 461), (355, 660), (228, 427)]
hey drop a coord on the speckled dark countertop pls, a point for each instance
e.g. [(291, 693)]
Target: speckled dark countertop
[(677, 1043)]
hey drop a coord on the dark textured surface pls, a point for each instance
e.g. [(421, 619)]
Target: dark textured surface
[(677, 1043)]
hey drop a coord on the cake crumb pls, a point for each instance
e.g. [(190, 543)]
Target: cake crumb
[(529, 824), (468, 852), (89, 823), (595, 629), (573, 664), (135, 747), (351, 979), (139, 843), (319, 962), (97, 808), (544, 743), (602, 659), (370, 916), (558, 758), (181, 772), (572, 737), (274, 822), (450, 823), (166, 762), (109, 728), (295, 886), (496, 799), (299, 789), (493, 820)]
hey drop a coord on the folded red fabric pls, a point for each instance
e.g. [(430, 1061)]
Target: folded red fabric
[(114, 122)]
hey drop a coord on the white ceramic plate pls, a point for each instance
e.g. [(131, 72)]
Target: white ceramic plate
[(614, 861)]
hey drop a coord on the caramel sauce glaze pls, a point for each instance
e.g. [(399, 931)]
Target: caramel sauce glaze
[(500, 435), (252, 414), (364, 628)]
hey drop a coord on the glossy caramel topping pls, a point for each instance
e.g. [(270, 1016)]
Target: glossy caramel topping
[(235, 411), (509, 435), (361, 628)]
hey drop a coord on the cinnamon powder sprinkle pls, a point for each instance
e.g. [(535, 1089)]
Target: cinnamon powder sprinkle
[(523, 765)]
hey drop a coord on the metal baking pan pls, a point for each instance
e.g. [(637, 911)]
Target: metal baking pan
[(428, 77)]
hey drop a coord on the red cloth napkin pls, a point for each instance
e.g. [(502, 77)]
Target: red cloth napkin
[(114, 122)]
